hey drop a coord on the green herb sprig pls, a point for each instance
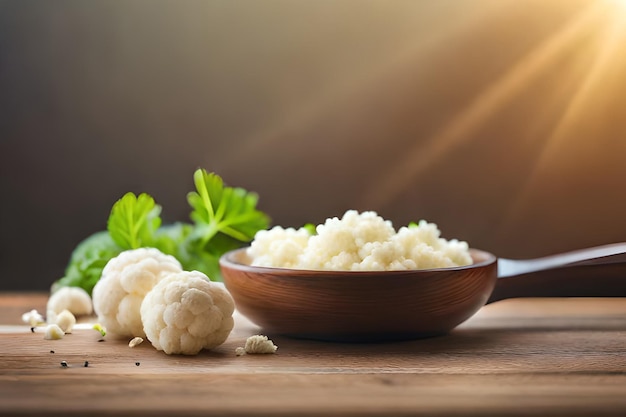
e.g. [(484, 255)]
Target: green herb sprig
[(223, 218)]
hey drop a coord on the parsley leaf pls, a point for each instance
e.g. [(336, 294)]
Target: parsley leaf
[(134, 220), (311, 228), (221, 210), (224, 218), (87, 261)]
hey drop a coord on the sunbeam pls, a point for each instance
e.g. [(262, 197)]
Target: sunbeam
[(610, 51), (485, 106), (310, 109)]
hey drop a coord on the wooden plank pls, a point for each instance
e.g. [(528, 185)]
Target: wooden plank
[(516, 357), (466, 351), (301, 394)]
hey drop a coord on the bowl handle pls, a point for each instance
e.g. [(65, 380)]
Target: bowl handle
[(593, 272)]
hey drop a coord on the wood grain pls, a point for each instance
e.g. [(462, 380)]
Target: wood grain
[(563, 357)]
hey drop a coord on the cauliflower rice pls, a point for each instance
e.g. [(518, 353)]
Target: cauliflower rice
[(358, 242)]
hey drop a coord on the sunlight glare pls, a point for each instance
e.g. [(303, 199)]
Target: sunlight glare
[(595, 88), (618, 4), (485, 106)]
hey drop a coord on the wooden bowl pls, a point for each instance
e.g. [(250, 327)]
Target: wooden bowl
[(358, 306)]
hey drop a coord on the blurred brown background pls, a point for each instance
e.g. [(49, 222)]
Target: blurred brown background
[(501, 120)]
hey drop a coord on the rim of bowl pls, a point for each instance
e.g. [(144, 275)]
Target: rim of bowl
[(228, 261)]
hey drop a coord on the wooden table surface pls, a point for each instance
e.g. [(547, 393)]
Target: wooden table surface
[(516, 357)]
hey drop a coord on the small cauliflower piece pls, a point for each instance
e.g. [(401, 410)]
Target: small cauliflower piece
[(185, 313), (135, 341), (53, 332), (125, 281), (257, 344), (74, 299), (66, 321), (33, 318)]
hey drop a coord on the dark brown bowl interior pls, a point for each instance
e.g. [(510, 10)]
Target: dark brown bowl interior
[(358, 306)]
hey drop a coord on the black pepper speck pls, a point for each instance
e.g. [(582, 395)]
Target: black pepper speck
[(86, 364), (63, 364), (137, 363)]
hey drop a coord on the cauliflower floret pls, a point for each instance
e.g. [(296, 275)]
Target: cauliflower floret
[(33, 318), (66, 321), (74, 299), (125, 281), (185, 313), (53, 332)]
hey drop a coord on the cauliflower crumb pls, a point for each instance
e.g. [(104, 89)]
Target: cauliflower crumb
[(66, 321), (135, 341), (125, 281), (185, 313), (257, 344), (53, 332), (358, 242), (33, 318), (74, 299)]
